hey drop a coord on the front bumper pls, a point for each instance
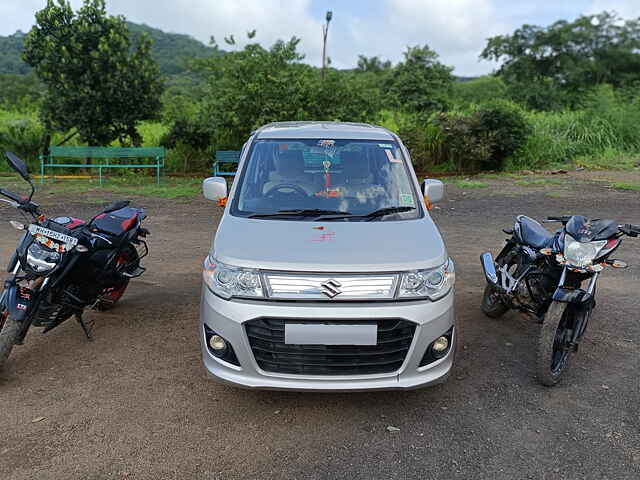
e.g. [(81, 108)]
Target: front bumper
[(226, 317)]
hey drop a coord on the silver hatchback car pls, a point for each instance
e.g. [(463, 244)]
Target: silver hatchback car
[(327, 272)]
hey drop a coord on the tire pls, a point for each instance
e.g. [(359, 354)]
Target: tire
[(491, 305), (8, 336), (111, 296), (553, 361)]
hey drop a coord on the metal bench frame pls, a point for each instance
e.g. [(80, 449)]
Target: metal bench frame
[(225, 156), (107, 154)]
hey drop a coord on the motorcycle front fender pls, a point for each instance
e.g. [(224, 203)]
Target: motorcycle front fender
[(18, 301), (576, 296)]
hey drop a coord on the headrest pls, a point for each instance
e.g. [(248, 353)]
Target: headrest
[(355, 165), (290, 163)]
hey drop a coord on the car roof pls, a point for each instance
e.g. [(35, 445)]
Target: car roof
[(322, 130)]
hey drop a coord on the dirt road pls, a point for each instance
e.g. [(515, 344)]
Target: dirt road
[(136, 404)]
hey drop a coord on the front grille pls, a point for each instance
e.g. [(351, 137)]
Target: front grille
[(266, 337)]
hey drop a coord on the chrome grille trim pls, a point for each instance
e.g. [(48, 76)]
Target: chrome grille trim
[(289, 286)]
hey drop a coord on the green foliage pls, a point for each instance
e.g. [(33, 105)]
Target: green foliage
[(504, 123), (604, 131), (172, 51), (22, 93), (254, 86), (419, 84), (22, 136), (478, 90), (566, 59), (10, 50), (96, 81)]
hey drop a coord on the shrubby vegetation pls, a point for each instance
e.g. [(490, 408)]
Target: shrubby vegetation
[(566, 94)]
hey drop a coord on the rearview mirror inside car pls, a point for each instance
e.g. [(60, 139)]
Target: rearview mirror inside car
[(433, 190), (214, 188)]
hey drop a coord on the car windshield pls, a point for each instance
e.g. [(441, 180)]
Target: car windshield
[(296, 179)]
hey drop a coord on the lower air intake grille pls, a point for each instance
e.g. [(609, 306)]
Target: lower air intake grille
[(266, 336)]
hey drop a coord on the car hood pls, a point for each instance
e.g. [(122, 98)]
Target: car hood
[(378, 246)]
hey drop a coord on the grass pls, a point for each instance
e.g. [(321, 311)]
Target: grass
[(466, 183), (539, 181), (170, 187), (626, 186)]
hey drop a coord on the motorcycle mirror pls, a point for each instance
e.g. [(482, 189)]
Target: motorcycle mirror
[(117, 206), (18, 165)]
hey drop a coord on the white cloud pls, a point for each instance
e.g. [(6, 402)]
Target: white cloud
[(625, 8)]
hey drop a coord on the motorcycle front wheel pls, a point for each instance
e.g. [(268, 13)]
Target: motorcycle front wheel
[(554, 350), (8, 335)]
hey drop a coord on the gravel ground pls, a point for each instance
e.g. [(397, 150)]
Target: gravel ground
[(136, 403)]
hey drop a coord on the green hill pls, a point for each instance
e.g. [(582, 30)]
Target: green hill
[(169, 49)]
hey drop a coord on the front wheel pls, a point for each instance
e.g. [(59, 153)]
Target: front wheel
[(492, 305), (8, 335), (554, 349)]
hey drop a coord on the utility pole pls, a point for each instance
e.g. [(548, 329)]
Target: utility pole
[(325, 30)]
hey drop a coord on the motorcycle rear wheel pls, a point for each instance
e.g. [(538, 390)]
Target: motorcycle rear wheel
[(553, 352)]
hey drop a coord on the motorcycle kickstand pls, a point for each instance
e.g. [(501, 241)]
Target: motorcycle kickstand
[(88, 331)]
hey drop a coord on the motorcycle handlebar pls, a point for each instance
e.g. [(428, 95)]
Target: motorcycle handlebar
[(630, 229), (12, 196)]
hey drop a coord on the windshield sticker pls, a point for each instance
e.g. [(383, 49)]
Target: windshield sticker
[(329, 147), (385, 145), (391, 157), (406, 200)]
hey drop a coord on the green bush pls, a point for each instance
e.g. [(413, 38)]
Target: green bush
[(24, 137), (505, 124)]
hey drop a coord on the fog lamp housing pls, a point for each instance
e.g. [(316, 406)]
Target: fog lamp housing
[(219, 347), (438, 349)]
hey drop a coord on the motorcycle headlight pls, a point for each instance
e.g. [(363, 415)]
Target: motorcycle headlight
[(581, 254), (432, 284), (41, 259), (228, 281)]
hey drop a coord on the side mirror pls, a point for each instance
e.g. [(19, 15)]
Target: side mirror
[(433, 190), (18, 165), (214, 188)]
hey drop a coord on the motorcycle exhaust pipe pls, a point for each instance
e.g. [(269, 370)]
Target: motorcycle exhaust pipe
[(489, 268)]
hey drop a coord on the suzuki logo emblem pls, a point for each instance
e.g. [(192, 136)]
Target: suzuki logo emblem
[(331, 288)]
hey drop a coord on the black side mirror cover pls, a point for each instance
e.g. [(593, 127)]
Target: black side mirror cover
[(18, 165)]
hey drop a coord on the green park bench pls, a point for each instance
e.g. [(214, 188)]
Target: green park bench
[(107, 156), (225, 157)]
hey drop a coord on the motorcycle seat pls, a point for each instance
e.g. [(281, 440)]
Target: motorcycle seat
[(532, 233), (117, 222)]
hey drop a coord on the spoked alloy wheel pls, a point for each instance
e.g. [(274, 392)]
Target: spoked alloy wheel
[(554, 349)]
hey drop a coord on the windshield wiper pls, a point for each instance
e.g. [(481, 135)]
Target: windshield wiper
[(381, 212), (302, 212)]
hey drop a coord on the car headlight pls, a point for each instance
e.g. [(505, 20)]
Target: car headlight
[(581, 254), (228, 281), (432, 284), (41, 259)]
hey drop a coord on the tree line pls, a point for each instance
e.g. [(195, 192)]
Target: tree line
[(100, 83)]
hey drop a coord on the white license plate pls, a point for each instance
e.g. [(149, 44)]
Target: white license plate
[(330, 334), (61, 237)]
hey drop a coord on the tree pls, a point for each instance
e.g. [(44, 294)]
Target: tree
[(97, 82), (254, 86), (420, 83), (372, 64), (546, 66)]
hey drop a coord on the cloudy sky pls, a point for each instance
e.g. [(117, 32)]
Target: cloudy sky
[(456, 29)]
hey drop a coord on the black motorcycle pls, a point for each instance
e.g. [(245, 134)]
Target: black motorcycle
[(64, 265), (552, 277)]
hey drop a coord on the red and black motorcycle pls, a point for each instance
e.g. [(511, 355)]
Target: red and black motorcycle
[(63, 265)]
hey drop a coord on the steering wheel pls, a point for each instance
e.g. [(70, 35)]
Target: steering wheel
[(291, 186)]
